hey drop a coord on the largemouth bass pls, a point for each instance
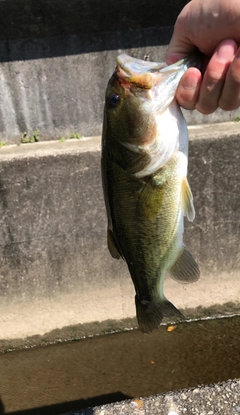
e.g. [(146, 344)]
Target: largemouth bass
[(144, 173)]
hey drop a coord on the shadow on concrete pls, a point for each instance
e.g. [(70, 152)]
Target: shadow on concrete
[(1, 407), (33, 48), (85, 405), (48, 28), (21, 19)]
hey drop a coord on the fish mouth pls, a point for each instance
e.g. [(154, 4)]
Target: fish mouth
[(137, 72), (138, 66), (147, 74)]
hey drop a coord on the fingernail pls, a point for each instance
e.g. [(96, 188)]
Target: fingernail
[(191, 79), (226, 50)]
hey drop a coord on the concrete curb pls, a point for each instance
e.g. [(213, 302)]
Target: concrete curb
[(218, 399)]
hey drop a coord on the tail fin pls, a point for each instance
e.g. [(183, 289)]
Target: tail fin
[(150, 314)]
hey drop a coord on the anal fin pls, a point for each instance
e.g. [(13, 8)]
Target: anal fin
[(185, 269)]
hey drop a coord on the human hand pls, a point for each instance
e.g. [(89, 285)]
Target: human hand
[(205, 25)]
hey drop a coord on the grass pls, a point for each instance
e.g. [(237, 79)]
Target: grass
[(26, 139), (73, 135), (76, 135), (2, 144), (30, 139)]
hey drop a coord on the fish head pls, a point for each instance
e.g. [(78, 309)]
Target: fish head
[(128, 103), (138, 94)]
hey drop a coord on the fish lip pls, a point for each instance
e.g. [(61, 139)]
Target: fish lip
[(137, 72), (129, 79), (195, 60), (132, 66)]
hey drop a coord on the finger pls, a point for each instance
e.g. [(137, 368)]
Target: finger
[(188, 90), (230, 96), (214, 77), (180, 45), (178, 48), (174, 57)]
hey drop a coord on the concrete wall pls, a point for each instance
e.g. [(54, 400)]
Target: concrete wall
[(57, 56), (55, 269)]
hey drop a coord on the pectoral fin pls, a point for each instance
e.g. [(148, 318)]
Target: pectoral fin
[(185, 269), (112, 245), (187, 200), (151, 199)]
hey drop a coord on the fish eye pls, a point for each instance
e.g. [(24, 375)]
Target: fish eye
[(113, 100)]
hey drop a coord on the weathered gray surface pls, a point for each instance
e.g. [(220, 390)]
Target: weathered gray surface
[(57, 57), (55, 266), (218, 399)]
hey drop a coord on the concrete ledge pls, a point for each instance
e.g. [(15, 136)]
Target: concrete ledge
[(221, 398), (55, 267)]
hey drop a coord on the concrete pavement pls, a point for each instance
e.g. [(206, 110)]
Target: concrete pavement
[(217, 399)]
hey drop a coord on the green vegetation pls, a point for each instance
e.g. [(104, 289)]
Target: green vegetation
[(237, 119), (35, 137), (76, 135), (2, 144), (30, 139)]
